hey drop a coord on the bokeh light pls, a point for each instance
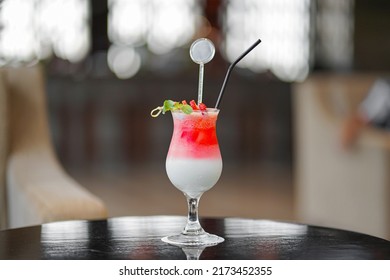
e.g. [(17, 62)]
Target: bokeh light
[(18, 42), (64, 25), (124, 61), (127, 22), (283, 26), (35, 29), (159, 25), (32, 30), (335, 33)]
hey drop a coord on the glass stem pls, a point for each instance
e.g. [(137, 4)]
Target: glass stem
[(193, 226)]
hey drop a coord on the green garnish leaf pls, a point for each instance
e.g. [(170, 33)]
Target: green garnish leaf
[(168, 106), (187, 109)]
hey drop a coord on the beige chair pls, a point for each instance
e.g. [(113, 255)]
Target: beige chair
[(348, 189), (34, 188)]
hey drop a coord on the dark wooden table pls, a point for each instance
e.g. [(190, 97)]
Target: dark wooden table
[(139, 238)]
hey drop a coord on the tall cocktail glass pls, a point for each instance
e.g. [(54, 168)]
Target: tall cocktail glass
[(194, 165)]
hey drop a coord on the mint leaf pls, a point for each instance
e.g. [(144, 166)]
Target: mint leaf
[(168, 105), (187, 109)]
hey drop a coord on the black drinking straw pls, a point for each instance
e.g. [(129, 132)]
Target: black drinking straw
[(230, 70)]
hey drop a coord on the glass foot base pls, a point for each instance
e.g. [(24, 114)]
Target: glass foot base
[(205, 239)]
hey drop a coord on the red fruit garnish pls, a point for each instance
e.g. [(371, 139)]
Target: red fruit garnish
[(202, 107), (184, 102), (193, 105)]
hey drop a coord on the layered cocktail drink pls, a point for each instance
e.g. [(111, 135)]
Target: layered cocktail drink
[(193, 165), (194, 162)]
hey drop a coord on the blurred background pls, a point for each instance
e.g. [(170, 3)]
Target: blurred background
[(108, 63)]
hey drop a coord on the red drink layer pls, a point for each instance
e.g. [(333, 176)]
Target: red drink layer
[(194, 135)]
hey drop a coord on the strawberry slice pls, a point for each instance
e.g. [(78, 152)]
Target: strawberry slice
[(184, 102), (202, 107), (193, 105)]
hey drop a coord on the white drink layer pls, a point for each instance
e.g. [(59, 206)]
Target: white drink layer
[(193, 176)]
